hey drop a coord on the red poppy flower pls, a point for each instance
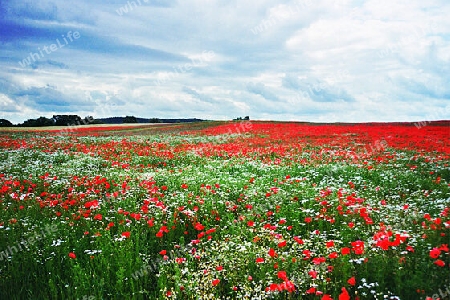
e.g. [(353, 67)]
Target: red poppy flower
[(345, 251), (212, 230), (199, 227), (289, 286), (352, 281), (313, 274), (439, 263), (274, 287), (298, 240), (444, 247), (72, 255), (344, 295), (272, 253), (259, 260), (126, 234), (384, 244), (318, 260), (282, 275), (435, 252), (215, 282), (91, 204), (135, 216), (180, 260), (358, 247), (282, 244), (333, 255)]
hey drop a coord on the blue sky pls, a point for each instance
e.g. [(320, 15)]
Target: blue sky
[(323, 60)]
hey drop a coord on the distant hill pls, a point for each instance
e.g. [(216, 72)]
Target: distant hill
[(119, 120)]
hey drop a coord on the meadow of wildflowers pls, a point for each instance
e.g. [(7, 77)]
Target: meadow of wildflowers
[(263, 210)]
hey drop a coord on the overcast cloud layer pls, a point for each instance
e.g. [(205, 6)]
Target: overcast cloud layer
[(322, 60)]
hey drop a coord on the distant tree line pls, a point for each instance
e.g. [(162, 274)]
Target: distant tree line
[(59, 120), (75, 120), (56, 120), (246, 118)]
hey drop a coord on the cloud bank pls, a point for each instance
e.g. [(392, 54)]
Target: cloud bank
[(325, 60)]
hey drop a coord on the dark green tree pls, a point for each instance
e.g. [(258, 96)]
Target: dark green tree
[(39, 122), (5, 123), (67, 120), (130, 119), (96, 121), (154, 120), (88, 120)]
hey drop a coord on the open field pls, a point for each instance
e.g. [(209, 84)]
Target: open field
[(226, 210), (75, 128), (114, 129)]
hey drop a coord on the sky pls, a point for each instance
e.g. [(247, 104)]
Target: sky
[(303, 60)]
